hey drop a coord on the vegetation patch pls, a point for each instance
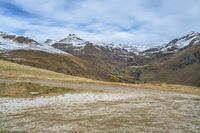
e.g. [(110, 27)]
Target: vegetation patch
[(27, 89), (114, 79)]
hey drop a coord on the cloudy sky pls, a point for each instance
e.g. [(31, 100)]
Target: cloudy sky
[(148, 22)]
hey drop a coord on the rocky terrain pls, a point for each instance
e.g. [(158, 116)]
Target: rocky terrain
[(107, 108)]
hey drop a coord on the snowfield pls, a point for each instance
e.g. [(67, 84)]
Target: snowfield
[(116, 109)]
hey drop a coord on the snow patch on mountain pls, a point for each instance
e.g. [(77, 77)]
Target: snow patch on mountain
[(176, 44), (72, 39), (183, 41), (7, 43), (78, 44)]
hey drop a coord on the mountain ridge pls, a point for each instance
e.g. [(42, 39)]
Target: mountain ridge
[(74, 41), (175, 45), (170, 62)]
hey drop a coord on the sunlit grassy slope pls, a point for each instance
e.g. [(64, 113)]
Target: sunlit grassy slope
[(20, 72), (13, 70)]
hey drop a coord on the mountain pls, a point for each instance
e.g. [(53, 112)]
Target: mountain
[(177, 61), (18, 39), (10, 41), (109, 57), (180, 68), (99, 53), (74, 43), (175, 45), (42, 55)]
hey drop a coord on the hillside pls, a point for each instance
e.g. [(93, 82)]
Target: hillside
[(66, 64), (20, 72), (171, 62), (179, 68)]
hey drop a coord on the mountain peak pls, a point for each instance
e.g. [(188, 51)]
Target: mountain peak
[(49, 41), (72, 38)]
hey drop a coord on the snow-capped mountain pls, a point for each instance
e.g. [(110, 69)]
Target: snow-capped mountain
[(128, 48), (74, 43), (176, 44), (10, 41), (18, 39), (72, 39)]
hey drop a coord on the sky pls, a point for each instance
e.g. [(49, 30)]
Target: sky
[(147, 22)]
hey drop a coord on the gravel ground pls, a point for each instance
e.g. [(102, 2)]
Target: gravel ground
[(109, 109)]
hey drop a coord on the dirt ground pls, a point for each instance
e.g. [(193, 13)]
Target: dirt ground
[(102, 109)]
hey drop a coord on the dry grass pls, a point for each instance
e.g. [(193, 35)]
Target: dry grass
[(60, 63), (20, 72), (20, 89), (166, 87), (13, 70)]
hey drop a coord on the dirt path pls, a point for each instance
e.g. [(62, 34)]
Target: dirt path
[(113, 109)]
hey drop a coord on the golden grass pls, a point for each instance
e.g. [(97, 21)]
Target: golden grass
[(13, 70), (165, 87), (20, 72), (20, 89)]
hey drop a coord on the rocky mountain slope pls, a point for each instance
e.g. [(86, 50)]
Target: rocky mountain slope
[(109, 57), (175, 45), (74, 43), (80, 47), (43, 55), (175, 62)]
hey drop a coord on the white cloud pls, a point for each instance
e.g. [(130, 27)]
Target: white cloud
[(127, 21)]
